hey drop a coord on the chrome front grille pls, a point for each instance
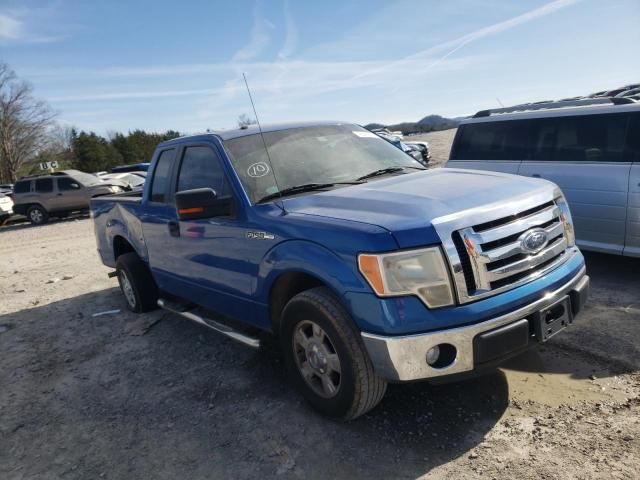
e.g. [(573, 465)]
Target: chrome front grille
[(504, 251)]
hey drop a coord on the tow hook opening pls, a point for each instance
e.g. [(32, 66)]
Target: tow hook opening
[(441, 355)]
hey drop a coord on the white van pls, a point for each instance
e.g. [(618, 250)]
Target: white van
[(590, 148)]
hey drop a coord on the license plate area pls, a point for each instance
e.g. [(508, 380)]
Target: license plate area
[(552, 319)]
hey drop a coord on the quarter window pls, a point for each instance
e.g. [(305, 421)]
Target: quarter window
[(44, 185), (201, 168), (504, 140), (161, 174), (22, 187)]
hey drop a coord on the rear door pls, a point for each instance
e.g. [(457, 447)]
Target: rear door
[(44, 193), (159, 220), (632, 244), (496, 145), (585, 155)]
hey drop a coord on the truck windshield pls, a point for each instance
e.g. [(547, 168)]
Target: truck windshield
[(319, 154)]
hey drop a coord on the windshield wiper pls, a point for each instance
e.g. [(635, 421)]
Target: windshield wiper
[(384, 171), (306, 187)]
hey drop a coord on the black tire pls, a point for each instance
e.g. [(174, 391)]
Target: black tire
[(143, 295), (359, 389), (37, 215)]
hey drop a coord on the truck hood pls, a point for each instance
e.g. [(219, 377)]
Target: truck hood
[(406, 204)]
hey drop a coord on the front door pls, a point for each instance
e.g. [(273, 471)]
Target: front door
[(585, 155), (210, 254), (70, 195)]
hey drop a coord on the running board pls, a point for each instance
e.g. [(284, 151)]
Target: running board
[(207, 322)]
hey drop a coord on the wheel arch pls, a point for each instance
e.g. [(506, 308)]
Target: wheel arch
[(295, 266)]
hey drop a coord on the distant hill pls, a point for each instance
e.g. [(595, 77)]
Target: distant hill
[(429, 123)]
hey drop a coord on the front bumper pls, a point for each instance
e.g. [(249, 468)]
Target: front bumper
[(403, 358)]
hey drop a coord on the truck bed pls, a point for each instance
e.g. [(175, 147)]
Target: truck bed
[(118, 215)]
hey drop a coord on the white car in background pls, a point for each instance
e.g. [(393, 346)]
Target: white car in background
[(6, 207)]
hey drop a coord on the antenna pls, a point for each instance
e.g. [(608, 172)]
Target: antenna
[(264, 142)]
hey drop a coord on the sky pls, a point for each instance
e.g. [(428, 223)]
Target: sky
[(109, 66)]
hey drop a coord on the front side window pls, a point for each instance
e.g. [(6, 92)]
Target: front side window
[(161, 174), (201, 168), (66, 184), (44, 185), (318, 154)]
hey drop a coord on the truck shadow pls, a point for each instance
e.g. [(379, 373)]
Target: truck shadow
[(80, 390)]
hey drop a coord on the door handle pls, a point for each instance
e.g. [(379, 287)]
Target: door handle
[(536, 175), (174, 228)]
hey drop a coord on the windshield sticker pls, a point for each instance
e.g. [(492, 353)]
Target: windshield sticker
[(365, 134), (258, 170)]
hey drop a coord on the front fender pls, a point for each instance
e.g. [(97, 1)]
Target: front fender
[(340, 274)]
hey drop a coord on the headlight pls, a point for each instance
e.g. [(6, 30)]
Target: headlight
[(566, 219), (418, 272), (115, 189)]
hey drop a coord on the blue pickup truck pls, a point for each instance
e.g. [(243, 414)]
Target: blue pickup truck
[(366, 267)]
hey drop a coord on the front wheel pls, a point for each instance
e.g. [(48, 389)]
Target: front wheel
[(326, 357)]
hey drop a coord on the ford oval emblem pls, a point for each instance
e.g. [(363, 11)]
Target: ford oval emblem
[(533, 241)]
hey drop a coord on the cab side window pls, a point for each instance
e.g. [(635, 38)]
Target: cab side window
[(44, 185), (202, 168), (161, 175)]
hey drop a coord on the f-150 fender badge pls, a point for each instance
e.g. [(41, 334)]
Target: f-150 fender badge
[(260, 236)]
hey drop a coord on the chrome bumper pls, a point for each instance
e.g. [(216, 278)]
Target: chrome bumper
[(404, 358)]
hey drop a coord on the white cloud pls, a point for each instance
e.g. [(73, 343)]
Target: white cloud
[(291, 39), (10, 28), (260, 37), (443, 50)]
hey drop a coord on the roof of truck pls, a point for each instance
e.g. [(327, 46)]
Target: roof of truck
[(253, 130)]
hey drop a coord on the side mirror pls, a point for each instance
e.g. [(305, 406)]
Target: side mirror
[(203, 203)]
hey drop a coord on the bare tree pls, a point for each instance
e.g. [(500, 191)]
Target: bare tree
[(24, 121), (245, 120)]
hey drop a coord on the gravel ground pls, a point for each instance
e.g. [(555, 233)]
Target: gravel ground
[(153, 396)]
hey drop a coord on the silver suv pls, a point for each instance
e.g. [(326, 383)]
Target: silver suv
[(589, 147), (58, 194)]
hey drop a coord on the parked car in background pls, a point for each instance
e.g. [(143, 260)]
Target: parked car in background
[(59, 194), (129, 181), (423, 148), (366, 266), (590, 147), (6, 207), (413, 151), (134, 167)]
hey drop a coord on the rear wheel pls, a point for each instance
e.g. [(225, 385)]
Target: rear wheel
[(37, 215), (136, 283), (326, 358)]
